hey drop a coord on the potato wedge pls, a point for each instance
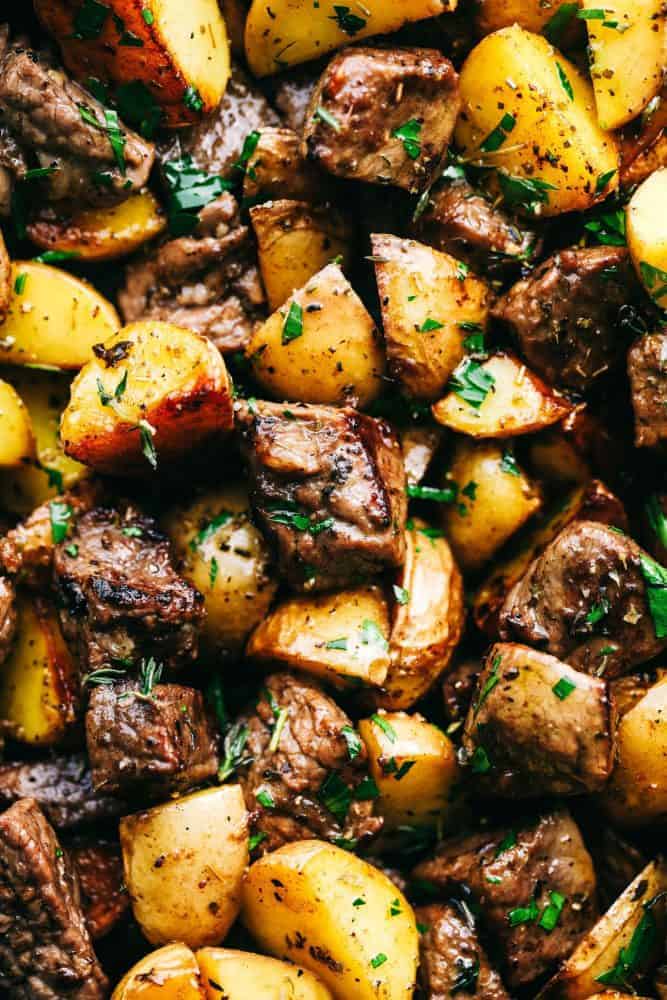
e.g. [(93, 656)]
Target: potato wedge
[(295, 241), (429, 306), (290, 32), (101, 233), (298, 902), (53, 318), (628, 52), (320, 347), (241, 976), (498, 398), (533, 15), (547, 148), (5, 279), (170, 55), (647, 238), (201, 843), (170, 973), (276, 170), (152, 393), (342, 637), (17, 442)]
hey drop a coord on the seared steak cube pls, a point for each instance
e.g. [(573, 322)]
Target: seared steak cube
[(7, 616), (647, 368), (451, 960)]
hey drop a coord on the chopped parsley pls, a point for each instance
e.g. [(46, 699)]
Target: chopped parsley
[(37, 172), (146, 435), (557, 25), (209, 529), (147, 15), (335, 796), (479, 762), (470, 490), (358, 901), (372, 636), (192, 99), (401, 595), (190, 190), (551, 913), (490, 683), (603, 180), (523, 914), (385, 726), (348, 22), (528, 193), (598, 612), (447, 494), (563, 688), (102, 677), (72, 550), (633, 959), (508, 463), (430, 324), (409, 134), (471, 382), (656, 518), (213, 572), (326, 117), (89, 20), (564, 81), (506, 844), (353, 741), (265, 798), (293, 325), (655, 578), (278, 727), (608, 228), (366, 789), (255, 841), (337, 643), (107, 398), (137, 106), (55, 256), (60, 515), (395, 908), (379, 960), (286, 512), (496, 138), (234, 745), (592, 14), (19, 283), (655, 280), (150, 672)]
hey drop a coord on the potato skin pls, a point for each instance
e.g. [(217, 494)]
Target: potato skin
[(5, 279), (170, 973), (243, 975), (17, 444), (647, 240)]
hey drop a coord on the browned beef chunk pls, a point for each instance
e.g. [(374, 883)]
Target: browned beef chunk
[(306, 775), (120, 596), (451, 959), (586, 601), (520, 877), (328, 488), (372, 94), (48, 116), (157, 736), (617, 863), (45, 949), (62, 786), (647, 368), (7, 617), (458, 687), (567, 315), (99, 867)]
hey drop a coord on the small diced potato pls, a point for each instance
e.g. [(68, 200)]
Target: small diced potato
[(170, 973), (151, 394), (568, 452), (342, 636), (184, 862), (647, 237), (240, 975), (276, 169), (414, 766), (498, 398), (5, 279), (17, 443), (299, 904), (295, 241), (320, 347), (429, 306)]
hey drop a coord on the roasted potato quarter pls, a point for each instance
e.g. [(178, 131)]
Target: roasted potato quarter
[(184, 862), (277, 170), (298, 902), (242, 976), (533, 15), (5, 279), (170, 973), (17, 443), (647, 236)]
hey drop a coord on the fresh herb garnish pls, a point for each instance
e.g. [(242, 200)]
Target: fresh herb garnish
[(89, 20), (38, 172), (213, 572), (366, 789), (60, 514), (335, 796), (379, 960), (348, 22), (150, 672), (209, 529), (471, 382), (107, 398), (55, 256), (656, 518), (278, 727), (293, 324), (250, 144), (385, 726), (353, 740), (608, 228), (326, 117), (523, 914), (447, 494), (563, 688), (592, 14), (372, 636), (633, 959), (430, 324), (491, 681), (146, 434), (480, 762), (19, 283), (102, 677), (598, 611), (265, 798), (190, 190), (603, 180), (506, 844), (551, 913), (137, 106), (655, 280), (147, 15), (655, 578), (496, 138), (508, 463), (401, 595), (234, 750), (192, 99), (255, 841), (409, 134), (557, 25), (340, 643), (529, 193), (564, 81), (287, 512)]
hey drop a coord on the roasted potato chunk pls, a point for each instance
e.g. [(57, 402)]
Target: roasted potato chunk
[(276, 170), (5, 279), (241, 975), (647, 239), (170, 973), (533, 15), (17, 443)]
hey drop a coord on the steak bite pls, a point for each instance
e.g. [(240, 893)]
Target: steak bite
[(328, 488), (384, 116), (104, 899), (451, 959), (45, 949), (586, 600), (120, 596), (7, 616), (647, 368)]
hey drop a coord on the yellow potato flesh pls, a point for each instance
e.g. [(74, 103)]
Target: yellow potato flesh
[(647, 235), (244, 976), (170, 973), (17, 443), (195, 36)]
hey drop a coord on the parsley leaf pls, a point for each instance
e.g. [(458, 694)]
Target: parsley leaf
[(89, 20), (491, 681), (326, 117), (523, 914), (656, 518), (146, 434), (209, 529), (557, 25), (603, 180), (350, 23), (293, 325), (655, 280), (60, 514), (564, 82), (508, 463), (608, 228), (480, 762), (372, 636), (634, 958), (192, 99), (337, 643), (190, 190), (401, 595), (379, 960), (430, 324), (496, 138), (353, 741), (447, 494), (335, 796), (471, 382), (655, 577), (506, 844), (528, 193), (409, 134), (563, 688), (385, 726), (597, 612), (234, 750)]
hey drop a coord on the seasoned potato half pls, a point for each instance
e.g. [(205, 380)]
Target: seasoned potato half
[(289, 32), (548, 151), (53, 318), (276, 169), (170, 973), (295, 241), (102, 233), (17, 442), (498, 398), (242, 976), (321, 346), (628, 53), (178, 52), (533, 15), (647, 236), (429, 306), (311, 918), (201, 839), (5, 279), (152, 393)]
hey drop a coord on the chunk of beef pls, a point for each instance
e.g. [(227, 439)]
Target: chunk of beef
[(120, 596), (394, 109), (328, 488), (513, 875), (99, 867), (45, 949), (7, 617), (458, 687), (63, 787), (139, 737), (647, 368), (301, 779), (585, 600), (617, 863), (567, 316), (451, 959)]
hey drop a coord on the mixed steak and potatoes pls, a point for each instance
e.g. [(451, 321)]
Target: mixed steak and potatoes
[(333, 500)]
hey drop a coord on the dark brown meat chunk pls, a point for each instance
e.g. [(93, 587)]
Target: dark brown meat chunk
[(328, 488), (120, 596), (512, 874), (617, 863), (647, 368), (45, 949), (585, 600), (373, 93), (306, 781), (451, 959), (458, 687), (7, 616), (567, 315), (99, 867), (160, 737)]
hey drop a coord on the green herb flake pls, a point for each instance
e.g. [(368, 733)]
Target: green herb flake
[(489, 684), (496, 138), (325, 116), (563, 688), (278, 727), (479, 762), (213, 572), (471, 382), (633, 959), (60, 515), (210, 529), (656, 518), (529, 193), (385, 726), (192, 99), (447, 494), (137, 106), (551, 913), (255, 841), (19, 283), (401, 595), (358, 901), (508, 463), (592, 14), (89, 20), (395, 908), (608, 228), (405, 767), (655, 280), (38, 172), (234, 745), (655, 578), (409, 134), (190, 190), (371, 635), (348, 22), (523, 914), (564, 81), (366, 790), (146, 434), (103, 677), (506, 844), (379, 960), (353, 740), (147, 15), (603, 180), (117, 138), (430, 324), (335, 796), (557, 25), (265, 799), (598, 611), (470, 490), (72, 550), (293, 325), (340, 643), (55, 256)]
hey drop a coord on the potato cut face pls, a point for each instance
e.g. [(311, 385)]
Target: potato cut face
[(194, 36), (647, 235), (170, 973), (242, 975), (17, 443)]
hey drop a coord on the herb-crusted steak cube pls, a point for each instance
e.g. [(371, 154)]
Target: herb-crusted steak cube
[(647, 368), (451, 959)]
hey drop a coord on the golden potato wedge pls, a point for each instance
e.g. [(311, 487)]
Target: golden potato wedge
[(101, 233), (356, 950), (5, 279), (170, 973), (53, 318), (242, 976), (295, 241), (546, 147), (342, 636), (429, 306), (290, 32), (152, 393), (628, 53), (320, 347), (17, 442), (39, 680), (201, 842), (569, 451), (498, 398), (647, 237), (225, 556), (533, 15), (175, 54), (414, 766), (276, 170)]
